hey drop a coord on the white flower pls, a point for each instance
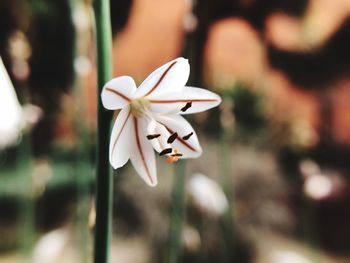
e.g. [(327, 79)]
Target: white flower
[(150, 117), (207, 195), (50, 247), (13, 118), (284, 256)]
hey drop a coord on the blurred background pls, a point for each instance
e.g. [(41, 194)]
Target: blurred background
[(272, 185)]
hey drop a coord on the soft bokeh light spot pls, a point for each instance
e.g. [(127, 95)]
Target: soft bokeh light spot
[(207, 195), (318, 186), (280, 256)]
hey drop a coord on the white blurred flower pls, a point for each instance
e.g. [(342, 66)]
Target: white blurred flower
[(82, 65), (309, 167), (281, 256), (10, 113), (150, 117), (50, 246), (13, 117), (82, 16), (191, 238), (318, 186), (207, 195), (321, 184), (190, 22)]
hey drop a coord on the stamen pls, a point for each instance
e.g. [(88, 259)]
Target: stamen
[(187, 136), (187, 106), (152, 136), (176, 155), (165, 151), (172, 138)]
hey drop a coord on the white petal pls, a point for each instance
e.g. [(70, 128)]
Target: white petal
[(200, 99), (168, 78), (142, 155), (118, 92), (190, 148), (10, 110), (160, 143), (119, 147)]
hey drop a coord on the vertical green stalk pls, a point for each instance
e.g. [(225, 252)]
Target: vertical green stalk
[(309, 229), (26, 199), (104, 184), (177, 213), (227, 221)]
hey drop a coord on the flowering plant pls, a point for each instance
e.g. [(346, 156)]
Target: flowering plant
[(150, 118)]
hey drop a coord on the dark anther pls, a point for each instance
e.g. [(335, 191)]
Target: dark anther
[(152, 136), (187, 136), (165, 151), (188, 105), (176, 155), (172, 138)]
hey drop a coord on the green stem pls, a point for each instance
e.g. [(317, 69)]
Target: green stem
[(177, 213), (227, 221), (27, 205), (104, 184), (310, 229)]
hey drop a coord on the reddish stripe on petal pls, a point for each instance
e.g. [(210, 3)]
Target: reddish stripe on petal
[(117, 93), (161, 78), (176, 101), (117, 138), (181, 140), (138, 143), (186, 144)]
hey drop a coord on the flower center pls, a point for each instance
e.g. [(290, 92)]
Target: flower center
[(138, 107)]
